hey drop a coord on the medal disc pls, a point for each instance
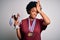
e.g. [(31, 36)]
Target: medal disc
[(30, 34)]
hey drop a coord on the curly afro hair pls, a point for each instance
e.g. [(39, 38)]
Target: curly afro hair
[(30, 6)]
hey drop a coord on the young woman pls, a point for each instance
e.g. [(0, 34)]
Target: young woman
[(31, 27)]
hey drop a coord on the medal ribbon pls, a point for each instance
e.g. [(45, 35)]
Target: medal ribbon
[(31, 27)]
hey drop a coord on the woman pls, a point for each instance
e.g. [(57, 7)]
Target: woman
[(31, 27)]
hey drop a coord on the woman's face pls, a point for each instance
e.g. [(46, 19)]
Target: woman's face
[(33, 12)]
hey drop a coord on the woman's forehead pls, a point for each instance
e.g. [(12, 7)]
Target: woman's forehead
[(34, 8)]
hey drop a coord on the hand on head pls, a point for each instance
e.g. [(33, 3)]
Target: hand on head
[(38, 6)]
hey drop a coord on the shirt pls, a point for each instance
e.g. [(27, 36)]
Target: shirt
[(39, 27)]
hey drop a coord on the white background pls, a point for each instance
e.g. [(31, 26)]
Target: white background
[(9, 7)]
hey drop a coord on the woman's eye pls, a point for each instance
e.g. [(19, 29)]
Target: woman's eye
[(32, 11)]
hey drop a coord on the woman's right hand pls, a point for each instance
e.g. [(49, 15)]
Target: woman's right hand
[(16, 21)]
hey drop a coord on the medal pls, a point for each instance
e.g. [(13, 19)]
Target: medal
[(31, 28), (30, 34)]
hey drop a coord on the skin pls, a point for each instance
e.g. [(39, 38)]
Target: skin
[(33, 14)]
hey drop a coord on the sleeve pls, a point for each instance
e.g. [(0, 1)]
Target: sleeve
[(43, 27), (20, 24)]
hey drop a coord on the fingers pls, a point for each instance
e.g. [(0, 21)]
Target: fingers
[(15, 17), (38, 4), (18, 15), (16, 22), (38, 1)]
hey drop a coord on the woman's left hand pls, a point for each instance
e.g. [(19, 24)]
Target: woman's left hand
[(38, 6)]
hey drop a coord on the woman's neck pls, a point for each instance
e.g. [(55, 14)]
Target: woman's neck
[(31, 19)]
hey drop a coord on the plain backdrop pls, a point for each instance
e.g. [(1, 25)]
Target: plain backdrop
[(9, 7)]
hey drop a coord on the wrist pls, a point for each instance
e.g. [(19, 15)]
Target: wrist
[(40, 11), (16, 27)]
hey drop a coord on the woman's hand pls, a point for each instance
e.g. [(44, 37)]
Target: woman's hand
[(38, 6), (44, 16), (16, 21)]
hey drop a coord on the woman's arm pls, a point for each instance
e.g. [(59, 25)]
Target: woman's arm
[(16, 23), (18, 30), (18, 33), (44, 16)]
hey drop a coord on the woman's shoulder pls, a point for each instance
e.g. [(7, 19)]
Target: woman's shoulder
[(25, 19)]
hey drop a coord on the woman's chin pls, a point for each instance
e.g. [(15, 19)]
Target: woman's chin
[(34, 17)]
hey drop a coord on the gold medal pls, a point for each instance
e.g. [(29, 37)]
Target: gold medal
[(30, 34)]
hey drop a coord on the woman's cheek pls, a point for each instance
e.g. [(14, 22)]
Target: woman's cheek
[(34, 16)]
